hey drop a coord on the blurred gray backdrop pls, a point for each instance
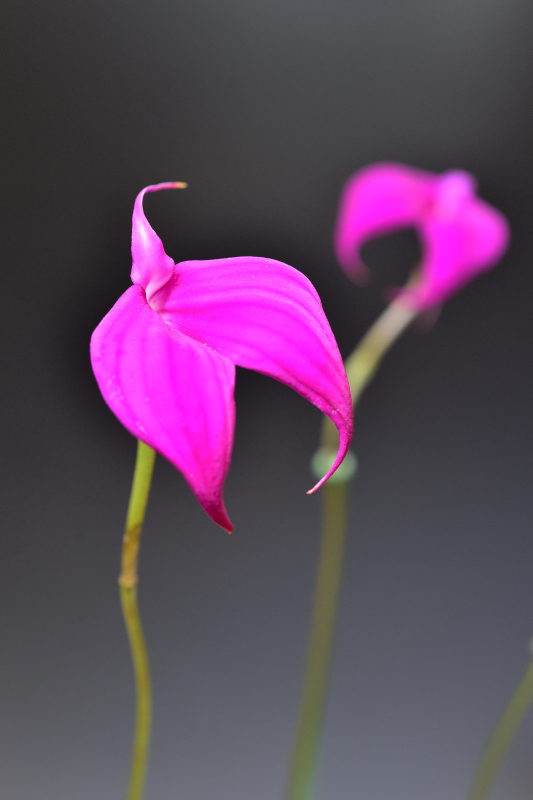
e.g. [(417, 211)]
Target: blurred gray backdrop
[(265, 109)]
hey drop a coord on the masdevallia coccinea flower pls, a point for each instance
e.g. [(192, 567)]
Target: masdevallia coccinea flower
[(165, 355), (461, 235)]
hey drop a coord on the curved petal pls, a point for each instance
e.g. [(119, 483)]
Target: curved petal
[(376, 200), (152, 268), (263, 315), (173, 393), (456, 249)]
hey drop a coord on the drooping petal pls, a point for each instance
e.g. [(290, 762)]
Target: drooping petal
[(152, 268), (170, 391), (263, 315), (460, 240), (378, 199)]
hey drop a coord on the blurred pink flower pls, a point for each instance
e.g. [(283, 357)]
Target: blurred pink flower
[(461, 235), (165, 355)]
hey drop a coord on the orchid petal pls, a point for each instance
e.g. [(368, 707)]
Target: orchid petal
[(377, 200), (263, 315), (457, 249), (152, 268), (170, 391)]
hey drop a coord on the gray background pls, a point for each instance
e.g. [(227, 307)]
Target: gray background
[(265, 109)]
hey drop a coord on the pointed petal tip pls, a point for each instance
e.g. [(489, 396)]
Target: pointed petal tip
[(340, 468), (350, 260), (360, 274), (322, 481), (219, 516), (155, 187)]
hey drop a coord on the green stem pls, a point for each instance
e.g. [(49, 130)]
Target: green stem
[(140, 490), (143, 714), (501, 737), (360, 369), (363, 363), (301, 778)]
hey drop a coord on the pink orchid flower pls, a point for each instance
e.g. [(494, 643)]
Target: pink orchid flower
[(461, 235), (165, 355)]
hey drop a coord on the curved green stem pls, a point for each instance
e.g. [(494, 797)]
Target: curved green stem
[(142, 479), (360, 369), (143, 713), (501, 737), (362, 364)]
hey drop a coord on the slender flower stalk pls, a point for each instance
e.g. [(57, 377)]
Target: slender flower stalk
[(140, 490), (461, 236), (363, 363), (502, 737), (361, 366), (302, 771)]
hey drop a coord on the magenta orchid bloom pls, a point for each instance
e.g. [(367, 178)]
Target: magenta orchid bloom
[(461, 235), (165, 355)]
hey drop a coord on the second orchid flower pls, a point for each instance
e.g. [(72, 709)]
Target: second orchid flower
[(461, 235)]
